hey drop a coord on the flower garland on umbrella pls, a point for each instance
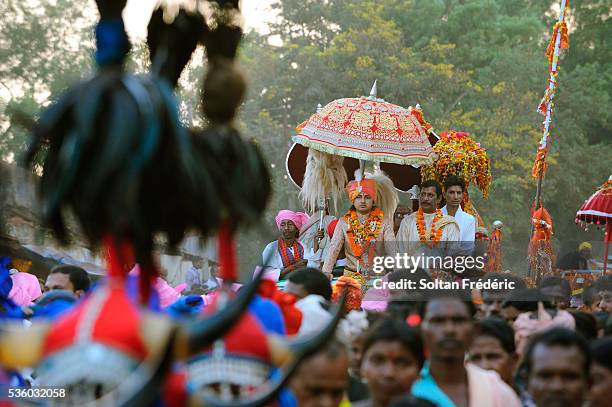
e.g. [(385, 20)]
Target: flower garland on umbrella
[(460, 155)]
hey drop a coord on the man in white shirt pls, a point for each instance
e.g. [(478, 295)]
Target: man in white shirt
[(454, 191), (428, 230)]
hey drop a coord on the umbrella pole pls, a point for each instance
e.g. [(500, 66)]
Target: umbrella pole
[(362, 168), (537, 203), (607, 239)]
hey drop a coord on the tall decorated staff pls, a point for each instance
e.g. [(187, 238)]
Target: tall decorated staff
[(559, 40), (460, 155)]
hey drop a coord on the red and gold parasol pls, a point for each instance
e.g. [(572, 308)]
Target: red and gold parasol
[(367, 129), (404, 176), (598, 210)]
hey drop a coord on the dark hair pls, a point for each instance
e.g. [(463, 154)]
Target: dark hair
[(432, 183), (333, 348), (407, 275), (603, 283), (465, 296), (411, 401), (78, 277), (499, 329), (503, 277), (526, 300), (552, 281), (313, 280), (586, 324), (557, 337), (589, 295), (395, 330), (601, 352), (454, 181), (406, 302)]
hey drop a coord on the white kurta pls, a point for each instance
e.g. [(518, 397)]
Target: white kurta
[(467, 228), (409, 240)]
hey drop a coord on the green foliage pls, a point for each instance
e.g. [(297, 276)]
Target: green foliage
[(473, 65)]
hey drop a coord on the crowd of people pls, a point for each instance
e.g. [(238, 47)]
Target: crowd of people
[(510, 346)]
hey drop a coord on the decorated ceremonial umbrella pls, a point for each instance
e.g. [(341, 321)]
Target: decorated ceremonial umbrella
[(368, 129), (351, 129), (598, 210)]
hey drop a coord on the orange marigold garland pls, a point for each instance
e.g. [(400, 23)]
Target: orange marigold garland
[(460, 155), (417, 112), (363, 236), (540, 165), (432, 238), (563, 42)]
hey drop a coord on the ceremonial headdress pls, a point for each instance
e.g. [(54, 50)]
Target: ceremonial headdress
[(298, 218), (378, 186), (359, 185)]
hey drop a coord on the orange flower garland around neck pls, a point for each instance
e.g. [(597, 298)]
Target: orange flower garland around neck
[(359, 234), (433, 237)]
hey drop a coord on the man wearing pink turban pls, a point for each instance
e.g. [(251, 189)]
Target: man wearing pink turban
[(286, 253)]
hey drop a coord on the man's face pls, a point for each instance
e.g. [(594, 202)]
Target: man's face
[(288, 230), (605, 301), (363, 203), (58, 281), (601, 390), (447, 328), (453, 196), (510, 314), (356, 355), (389, 369), (198, 264), (487, 353), (321, 381), (429, 199), (297, 290), (491, 303), (557, 378), (401, 212), (558, 297)]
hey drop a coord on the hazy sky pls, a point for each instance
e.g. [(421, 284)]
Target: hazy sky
[(256, 13)]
